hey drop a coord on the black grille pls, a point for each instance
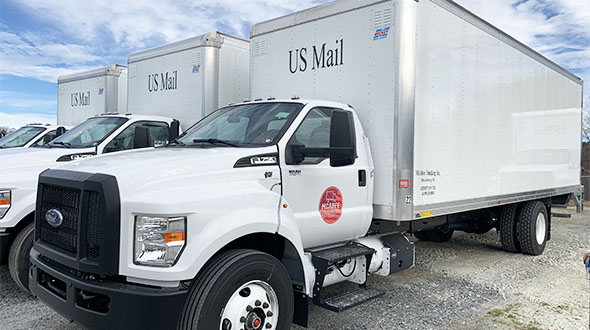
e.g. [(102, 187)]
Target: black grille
[(90, 205), (67, 202), (94, 227)]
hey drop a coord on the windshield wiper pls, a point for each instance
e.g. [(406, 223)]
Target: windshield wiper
[(176, 141), (215, 141), (65, 144)]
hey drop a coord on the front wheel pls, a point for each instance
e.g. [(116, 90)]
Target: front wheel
[(18, 257), (239, 289)]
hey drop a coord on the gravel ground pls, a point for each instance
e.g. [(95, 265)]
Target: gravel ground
[(467, 283)]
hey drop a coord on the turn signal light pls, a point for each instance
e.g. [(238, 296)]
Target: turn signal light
[(173, 237)]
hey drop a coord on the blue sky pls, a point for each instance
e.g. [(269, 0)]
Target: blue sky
[(42, 39)]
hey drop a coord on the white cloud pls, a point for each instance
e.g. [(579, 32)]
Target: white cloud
[(26, 101), (16, 120), (43, 60)]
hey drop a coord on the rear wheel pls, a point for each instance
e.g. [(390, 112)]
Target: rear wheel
[(533, 224), (239, 289), (440, 234), (18, 257), (421, 235), (508, 222)]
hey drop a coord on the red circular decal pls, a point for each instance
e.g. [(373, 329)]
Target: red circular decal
[(331, 205)]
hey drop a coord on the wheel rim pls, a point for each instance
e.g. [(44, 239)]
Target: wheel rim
[(253, 306), (540, 229)]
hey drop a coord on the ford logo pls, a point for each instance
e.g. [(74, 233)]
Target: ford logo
[(54, 218)]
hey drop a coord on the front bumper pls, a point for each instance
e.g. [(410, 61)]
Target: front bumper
[(103, 304)]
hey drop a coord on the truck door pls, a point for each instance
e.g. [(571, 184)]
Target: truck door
[(323, 188)]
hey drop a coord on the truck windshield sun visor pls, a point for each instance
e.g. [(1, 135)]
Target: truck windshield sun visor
[(244, 125), (89, 133)]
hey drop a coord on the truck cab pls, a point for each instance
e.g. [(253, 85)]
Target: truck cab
[(266, 181), (32, 135), (21, 167)]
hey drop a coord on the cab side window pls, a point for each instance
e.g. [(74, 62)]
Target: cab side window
[(323, 133), (158, 134), (48, 137), (314, 132)]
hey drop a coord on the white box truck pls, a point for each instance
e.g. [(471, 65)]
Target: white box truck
[(183, 80), (190, 78), (85, 94), (31, 135), (452, 125)]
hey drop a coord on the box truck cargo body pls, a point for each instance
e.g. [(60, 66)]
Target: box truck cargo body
[(85, 94), (459, 115), (427, 120), (190, 78)]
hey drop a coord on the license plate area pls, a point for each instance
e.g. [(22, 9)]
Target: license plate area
[(92, 301), (53, 285)]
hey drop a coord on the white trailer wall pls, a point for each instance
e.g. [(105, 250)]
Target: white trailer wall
[(491, 119), (458, 114), (85, 94), (204, 73)]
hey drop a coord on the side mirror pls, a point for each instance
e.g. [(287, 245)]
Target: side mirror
[(342, 139), (60, 131), (110, 148), (141, 137), (294, 153), (174, 130)]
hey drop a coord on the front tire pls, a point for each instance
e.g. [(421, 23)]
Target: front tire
[(239, 289), (533, 225), (18, 257)]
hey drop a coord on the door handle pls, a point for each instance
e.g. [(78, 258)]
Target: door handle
[(362, 178)]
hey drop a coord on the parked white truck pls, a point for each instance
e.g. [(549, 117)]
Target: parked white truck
[(262, 204), (32, 135), (183, 80), (20, 168), (85, 94)]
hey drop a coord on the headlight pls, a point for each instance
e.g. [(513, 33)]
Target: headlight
[(159, 240), (4, 202)]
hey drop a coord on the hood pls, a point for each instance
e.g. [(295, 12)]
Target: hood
[(20, 168), (165, 167), (23, 158)]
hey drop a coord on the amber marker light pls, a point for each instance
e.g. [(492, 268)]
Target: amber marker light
[(173, 237)]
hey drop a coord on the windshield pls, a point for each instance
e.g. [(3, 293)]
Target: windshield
[(89, 133), (244, 125), (20, 137)]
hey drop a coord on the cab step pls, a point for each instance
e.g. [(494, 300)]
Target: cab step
[(324, 259), (351, 298), (340, 253)]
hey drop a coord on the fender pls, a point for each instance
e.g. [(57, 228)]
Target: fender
[(212, 225), (22, 205), (289, 229)]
